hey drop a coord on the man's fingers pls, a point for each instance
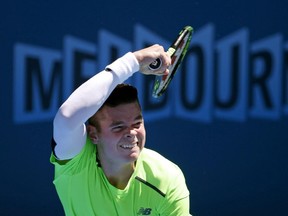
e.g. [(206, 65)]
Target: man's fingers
[(149, 57)]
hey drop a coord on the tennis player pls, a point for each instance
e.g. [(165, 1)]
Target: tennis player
[(101, 165)]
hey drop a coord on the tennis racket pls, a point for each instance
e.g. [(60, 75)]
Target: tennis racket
[(177, 52)]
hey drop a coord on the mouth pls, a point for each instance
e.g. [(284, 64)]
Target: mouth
[(128, 146)]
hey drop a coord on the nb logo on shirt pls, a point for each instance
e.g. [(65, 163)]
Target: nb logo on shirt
[(144, 211)]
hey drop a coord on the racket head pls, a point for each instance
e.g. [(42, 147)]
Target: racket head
[(177, 52)]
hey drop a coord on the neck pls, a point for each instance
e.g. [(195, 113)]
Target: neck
[(118, 175)]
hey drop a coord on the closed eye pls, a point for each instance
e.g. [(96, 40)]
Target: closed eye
[(137, 124), (118, 128)]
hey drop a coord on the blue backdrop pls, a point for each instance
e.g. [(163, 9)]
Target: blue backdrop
[(223, 120)]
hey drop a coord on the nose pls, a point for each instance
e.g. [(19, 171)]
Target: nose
[(131, 134)]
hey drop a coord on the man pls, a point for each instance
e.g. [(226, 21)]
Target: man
[(102, 167)]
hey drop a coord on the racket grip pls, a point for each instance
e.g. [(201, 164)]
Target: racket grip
[(156, 64)]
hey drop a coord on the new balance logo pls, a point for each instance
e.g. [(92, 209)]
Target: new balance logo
[(144, 211)]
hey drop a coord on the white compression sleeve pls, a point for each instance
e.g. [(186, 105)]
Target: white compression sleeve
[(69, 131)]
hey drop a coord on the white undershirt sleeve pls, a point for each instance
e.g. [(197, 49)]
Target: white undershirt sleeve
[(69, 131)]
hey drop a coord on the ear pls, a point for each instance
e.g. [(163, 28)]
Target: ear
[(92, 133)]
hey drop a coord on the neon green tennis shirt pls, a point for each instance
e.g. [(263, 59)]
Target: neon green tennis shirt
[(157, 187)]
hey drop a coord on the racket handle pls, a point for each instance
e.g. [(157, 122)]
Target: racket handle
[(156, 64)]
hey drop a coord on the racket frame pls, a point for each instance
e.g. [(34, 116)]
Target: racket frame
[(161, 82)]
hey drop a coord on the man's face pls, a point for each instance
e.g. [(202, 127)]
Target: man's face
[(122, 135)]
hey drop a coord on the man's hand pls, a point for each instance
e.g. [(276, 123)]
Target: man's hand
[(146, 56)]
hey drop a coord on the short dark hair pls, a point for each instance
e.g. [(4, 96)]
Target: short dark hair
[(122, 94)]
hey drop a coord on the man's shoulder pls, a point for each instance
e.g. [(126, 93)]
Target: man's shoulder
[(159, 171), (149, 153), (154, 161)]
